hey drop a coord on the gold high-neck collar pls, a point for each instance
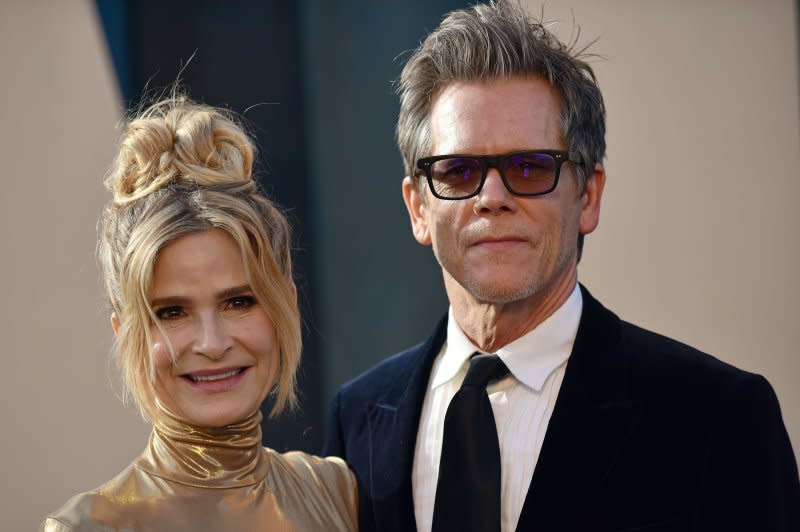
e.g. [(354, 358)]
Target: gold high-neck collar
[(209, 457)]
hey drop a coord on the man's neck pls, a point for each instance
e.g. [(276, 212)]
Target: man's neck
[(491, 326)]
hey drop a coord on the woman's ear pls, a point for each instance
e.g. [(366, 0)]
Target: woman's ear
[(115, 323)]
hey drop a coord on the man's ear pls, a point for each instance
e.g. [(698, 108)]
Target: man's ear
[(592, 195), (415, 204), (115, 323)]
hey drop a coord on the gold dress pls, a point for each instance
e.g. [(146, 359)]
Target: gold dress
[(219, 479)]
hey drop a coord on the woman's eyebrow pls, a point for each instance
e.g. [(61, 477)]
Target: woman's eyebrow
[(181, 301), (169, 301), (235, 291)]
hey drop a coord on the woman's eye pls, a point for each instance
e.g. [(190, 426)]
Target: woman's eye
[(169, 313), (241, 302)]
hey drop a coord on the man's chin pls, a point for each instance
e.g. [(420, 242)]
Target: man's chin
[(497, 293), (496, 285)]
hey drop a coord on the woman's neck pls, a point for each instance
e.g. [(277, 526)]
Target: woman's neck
[(213, 457)]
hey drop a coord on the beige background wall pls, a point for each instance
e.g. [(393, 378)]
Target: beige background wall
[(698, 238), (63, 428)]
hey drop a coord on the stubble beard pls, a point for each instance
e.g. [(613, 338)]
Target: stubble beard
[(491, 293), (500, 295), (530, 283)]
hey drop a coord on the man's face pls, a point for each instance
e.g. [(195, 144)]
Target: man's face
[(506, 248)]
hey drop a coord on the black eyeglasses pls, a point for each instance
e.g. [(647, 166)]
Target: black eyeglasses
[(524, 173)]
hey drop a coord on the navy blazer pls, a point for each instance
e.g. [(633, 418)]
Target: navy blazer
[(646, 434)]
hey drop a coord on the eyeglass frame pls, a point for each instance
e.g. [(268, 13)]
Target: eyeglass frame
[(495, 161)]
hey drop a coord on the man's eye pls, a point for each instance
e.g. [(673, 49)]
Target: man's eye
[(241, 302), (169, 313), (458, 170)]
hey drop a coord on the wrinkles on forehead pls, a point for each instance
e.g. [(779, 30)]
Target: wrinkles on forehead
[(496, 116)]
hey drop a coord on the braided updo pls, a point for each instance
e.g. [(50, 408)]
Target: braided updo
[(184, 167)]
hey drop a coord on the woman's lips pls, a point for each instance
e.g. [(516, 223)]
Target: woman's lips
[(219, 380)]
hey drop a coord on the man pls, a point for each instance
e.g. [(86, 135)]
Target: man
[(593, 423)]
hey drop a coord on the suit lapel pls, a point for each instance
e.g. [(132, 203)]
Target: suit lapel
[(592, 418), (393, 424)]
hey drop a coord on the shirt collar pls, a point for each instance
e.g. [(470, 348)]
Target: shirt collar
[(532, 358)]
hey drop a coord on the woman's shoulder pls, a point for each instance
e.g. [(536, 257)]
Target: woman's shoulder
[(306, 467), (100, 505), (80, 511), (325, 484)]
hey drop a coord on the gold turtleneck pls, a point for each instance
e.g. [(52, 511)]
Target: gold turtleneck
[(215, 479)]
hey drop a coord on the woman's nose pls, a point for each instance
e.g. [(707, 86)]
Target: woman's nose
[(212, 339)]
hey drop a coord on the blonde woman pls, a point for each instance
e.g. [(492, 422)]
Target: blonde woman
[(197, 267)]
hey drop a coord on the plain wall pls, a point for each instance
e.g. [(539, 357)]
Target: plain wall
[(64, 430), (698, 236)]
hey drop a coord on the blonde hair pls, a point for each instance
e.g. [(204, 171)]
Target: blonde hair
[(182, 168)]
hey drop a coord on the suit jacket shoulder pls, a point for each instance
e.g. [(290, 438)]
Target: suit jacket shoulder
[(649, 432), (394, 374), (655, 359), (395, 380)]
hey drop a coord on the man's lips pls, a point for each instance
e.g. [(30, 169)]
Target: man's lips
[(498, 241)]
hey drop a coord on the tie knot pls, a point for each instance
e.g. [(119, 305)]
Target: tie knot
[(484, 369)]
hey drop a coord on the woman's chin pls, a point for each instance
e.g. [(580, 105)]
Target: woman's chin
[(217, 415)]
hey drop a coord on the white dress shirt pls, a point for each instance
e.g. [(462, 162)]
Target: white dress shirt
[(522, 404)]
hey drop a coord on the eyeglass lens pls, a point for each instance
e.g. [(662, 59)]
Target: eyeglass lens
[(525, 173)]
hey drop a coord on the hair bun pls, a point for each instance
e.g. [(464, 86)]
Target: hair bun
[(175, 141)]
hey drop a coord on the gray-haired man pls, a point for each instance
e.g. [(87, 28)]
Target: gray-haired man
[(568, 418)]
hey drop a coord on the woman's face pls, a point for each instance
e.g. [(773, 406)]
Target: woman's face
[(224, 342)]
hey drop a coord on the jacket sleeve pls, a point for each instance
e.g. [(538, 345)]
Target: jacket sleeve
[(752, 479)]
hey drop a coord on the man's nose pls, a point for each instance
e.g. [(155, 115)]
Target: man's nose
[(494, 197), (212, 340)]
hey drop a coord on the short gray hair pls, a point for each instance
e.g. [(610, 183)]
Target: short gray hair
[(499, 40)]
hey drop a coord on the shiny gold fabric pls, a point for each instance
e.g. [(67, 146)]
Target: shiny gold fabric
[(216, 480)]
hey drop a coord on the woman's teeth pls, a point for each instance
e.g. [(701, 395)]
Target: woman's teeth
[(217, 377)]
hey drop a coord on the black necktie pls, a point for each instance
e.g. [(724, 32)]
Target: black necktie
[(468, 491)]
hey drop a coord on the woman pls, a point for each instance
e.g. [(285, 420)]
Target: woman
[(198, 270)]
